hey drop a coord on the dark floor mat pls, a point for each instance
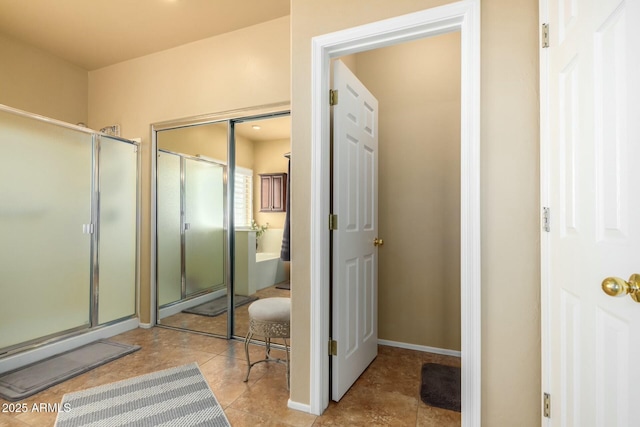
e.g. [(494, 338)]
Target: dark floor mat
[(218, 306), (31, 379), (441, 386), (284, 285)]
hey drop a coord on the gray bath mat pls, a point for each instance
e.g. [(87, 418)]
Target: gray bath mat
[(441, 386), (218, 306), (284, 285), (31, 379), (174, 397)]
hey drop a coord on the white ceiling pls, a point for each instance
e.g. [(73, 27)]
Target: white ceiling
[(270, 129), (96, 33)]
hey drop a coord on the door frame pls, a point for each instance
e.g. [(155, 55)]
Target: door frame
[(545, 189), (463, 16)]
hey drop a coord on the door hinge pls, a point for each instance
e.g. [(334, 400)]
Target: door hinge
[(546, 219), (333, 347), (333, 97), (545, 35), (547, 405), (87, 228), (333, 222)]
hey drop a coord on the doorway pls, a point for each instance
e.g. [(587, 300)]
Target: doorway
[(463, 17), (418, 87)]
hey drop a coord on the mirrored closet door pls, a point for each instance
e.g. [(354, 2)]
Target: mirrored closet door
[(212, 177), (191, 233)]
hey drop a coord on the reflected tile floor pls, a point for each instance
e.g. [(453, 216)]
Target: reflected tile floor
[(387, 393), (218, 324)]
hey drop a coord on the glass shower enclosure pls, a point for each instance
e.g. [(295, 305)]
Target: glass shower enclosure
[(68, 230), (190, 227)]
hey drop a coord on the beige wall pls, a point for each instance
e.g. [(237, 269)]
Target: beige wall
[(269, 158), (38, 82), (245, 68), (207, 140), (417, 85), (509, 188)]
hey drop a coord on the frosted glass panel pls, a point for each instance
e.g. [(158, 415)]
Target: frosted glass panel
[(45, 198), (204, 235), (168, 238), (117, 250)]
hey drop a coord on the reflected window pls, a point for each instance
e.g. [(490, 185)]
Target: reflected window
[(243, 194)]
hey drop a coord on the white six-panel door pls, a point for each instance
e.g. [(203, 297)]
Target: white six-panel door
[(591, 147), (355, 258)]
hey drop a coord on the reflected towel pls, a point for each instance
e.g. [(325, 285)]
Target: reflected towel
[(285, 251)]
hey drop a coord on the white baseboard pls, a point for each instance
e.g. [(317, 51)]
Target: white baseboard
[(18, 360), (424, 348), (146, 325), (299, 406), (183, 305)]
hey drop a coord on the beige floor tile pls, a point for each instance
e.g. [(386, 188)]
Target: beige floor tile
[(387, 394), (268, 398), (435, 417), (11, 421)]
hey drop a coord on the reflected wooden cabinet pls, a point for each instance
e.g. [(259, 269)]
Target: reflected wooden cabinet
[(273, 192)]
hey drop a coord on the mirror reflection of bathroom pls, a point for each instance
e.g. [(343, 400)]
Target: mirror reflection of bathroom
[(191, 174), (260, 270), (191, 178)]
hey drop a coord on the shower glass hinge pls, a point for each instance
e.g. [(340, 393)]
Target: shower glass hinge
[(333, 97), (333, 222), (87, 228), (333, 348)]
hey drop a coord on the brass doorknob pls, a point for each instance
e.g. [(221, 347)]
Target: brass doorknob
[(378, 242), (616, 287)]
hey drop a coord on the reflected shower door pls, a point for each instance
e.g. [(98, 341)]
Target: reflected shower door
[(45, 201), (169, 252), (204, 226)]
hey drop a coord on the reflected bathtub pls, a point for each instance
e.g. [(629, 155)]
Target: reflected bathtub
[(269, 270)]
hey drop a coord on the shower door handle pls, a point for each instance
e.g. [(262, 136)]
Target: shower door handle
[(187, 226)]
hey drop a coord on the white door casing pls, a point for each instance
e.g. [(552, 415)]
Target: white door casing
[(463, 16), (355, 258), (590, 145)]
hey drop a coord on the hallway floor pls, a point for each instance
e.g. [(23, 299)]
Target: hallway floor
[(387, 394)]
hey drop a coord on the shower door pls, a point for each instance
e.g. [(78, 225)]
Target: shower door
[(169, 224), (203, 226), (45, 251), (190, 236), (117, 239)]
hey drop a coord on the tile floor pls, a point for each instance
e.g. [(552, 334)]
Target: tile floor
[(218, 324), (387, 394)]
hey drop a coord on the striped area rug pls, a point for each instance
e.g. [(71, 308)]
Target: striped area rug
[(174, 397)]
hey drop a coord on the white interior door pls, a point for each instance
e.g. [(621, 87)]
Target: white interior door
[(593, 144), (355, 258)]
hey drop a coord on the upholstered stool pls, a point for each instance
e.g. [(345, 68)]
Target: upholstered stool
[(269, 318)]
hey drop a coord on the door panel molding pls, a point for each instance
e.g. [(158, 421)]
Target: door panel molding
[(463, 16)]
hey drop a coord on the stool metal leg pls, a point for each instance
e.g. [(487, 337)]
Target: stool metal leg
[(246, 352), (286, 348)]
